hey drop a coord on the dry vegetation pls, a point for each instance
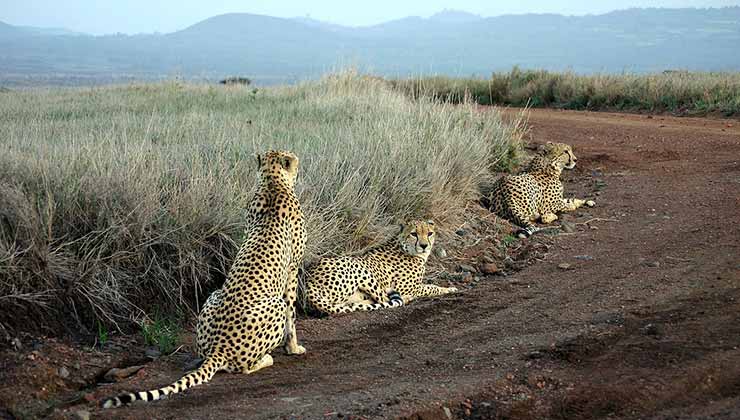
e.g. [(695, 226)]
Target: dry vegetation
[(118, 202), (676, 91)]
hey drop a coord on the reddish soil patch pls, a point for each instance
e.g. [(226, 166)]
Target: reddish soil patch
[(644, 321)]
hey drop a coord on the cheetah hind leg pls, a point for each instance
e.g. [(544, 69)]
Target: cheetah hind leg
[(527, 227), (365, 304), (394, 298), (265, 361), (548, 218)]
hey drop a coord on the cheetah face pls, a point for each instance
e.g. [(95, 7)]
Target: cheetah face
[(562, 153), (417, 238), (279, 164)]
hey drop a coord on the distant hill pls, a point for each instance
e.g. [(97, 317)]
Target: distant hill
[(269, 49)]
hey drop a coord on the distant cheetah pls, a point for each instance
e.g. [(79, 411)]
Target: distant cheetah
[(538, 193)]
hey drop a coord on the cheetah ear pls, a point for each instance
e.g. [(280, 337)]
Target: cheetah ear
[(401, 227), (259, 160), (430, 222), (289, 163)]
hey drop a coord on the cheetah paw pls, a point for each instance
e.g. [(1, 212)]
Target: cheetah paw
[(590, 203), (298, 349), (451, 289)]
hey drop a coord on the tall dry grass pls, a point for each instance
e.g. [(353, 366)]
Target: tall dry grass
[(678, 92), (119, 201)]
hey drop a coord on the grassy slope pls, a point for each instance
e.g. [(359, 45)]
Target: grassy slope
[(676, 92), (119, 201)]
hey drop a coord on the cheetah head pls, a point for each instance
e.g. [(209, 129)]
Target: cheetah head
[(279, 164), (417, 237), (561, 153)]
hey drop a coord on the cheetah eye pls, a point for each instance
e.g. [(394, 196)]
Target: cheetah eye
[(430, 234), (414, 234)]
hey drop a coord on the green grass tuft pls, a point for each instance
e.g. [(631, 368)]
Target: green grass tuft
[(161, 331), (678, 92)]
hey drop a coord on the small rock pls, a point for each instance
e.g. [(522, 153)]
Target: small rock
[(584, 257), (448, 413), (509, 262), (82, 415), (152, 352), (651, 329), (451, 276), (489, 268), (487, 258), (63, 372), (116, 374), (461, 232), (653, 264), (564, 266), (192, 364), (17, 345), (567, 227), (77, 365), (614, 318), (467, 277), (535, 354), (466, 268), (440, 252)]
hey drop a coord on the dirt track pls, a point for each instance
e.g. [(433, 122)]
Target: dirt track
[(645, 321)]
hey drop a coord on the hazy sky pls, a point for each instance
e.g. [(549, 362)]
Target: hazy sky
[(135, 16)]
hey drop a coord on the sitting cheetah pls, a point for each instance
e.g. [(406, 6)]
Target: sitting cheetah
[(254, 312), (537, 193), (383, 276)]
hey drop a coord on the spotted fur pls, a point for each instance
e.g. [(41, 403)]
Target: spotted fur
[(537, 193), (254, 312), (384, 276)]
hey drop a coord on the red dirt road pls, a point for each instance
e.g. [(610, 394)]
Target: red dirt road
[(635, 314)]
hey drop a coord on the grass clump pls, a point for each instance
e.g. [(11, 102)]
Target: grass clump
[(161, 331), (118, 200), (677, 92)]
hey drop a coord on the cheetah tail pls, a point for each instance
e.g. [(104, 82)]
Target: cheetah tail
[(201, 375)]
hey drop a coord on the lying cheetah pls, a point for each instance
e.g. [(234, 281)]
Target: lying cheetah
[(538, 193), (254, 312), (384, 276)]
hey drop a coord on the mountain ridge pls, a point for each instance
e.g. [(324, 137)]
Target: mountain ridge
[(451, 42)]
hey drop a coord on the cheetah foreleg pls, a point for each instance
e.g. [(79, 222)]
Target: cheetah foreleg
[(291, 340), (571, 204), (430, 290)]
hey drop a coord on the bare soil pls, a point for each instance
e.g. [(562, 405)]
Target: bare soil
[(631, 311)]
